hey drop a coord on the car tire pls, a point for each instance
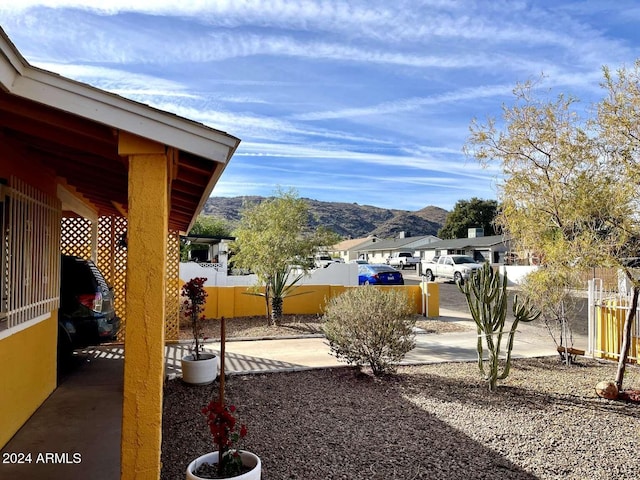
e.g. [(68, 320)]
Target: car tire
[(457, 278), (429, 276)]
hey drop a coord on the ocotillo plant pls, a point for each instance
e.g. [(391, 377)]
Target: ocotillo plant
[(486, 293)]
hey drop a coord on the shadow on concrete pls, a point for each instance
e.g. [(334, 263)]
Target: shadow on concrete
[(76, 433)]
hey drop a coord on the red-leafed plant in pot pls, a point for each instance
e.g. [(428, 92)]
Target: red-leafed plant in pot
[(199, 367), (226, 435)]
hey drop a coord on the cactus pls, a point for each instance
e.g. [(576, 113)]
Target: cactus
[(486, 294)]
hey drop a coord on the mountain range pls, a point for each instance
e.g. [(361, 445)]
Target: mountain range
[(349, 220)]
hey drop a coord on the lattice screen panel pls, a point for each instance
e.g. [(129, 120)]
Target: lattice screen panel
[(112, 261), (75, 237), (172, 300)]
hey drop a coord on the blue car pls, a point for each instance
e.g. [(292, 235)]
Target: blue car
[(379, 275)]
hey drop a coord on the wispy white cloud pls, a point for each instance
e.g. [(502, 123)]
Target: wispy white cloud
[(410, 103), (346, 100)]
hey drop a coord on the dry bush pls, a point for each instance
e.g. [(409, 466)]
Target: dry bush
[(370, 326)]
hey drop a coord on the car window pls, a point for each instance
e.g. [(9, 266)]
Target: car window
[(78, 277), (448, 261), (460, 260)]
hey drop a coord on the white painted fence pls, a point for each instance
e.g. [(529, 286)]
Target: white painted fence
[(216, 275)]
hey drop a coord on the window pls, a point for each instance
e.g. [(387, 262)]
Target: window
[(30, 255)]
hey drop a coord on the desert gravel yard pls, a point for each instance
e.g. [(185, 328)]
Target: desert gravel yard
[(431, 422)]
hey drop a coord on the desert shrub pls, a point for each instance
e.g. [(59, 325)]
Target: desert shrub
[(370, 326)]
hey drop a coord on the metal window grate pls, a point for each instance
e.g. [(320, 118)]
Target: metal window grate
[(30, 254)]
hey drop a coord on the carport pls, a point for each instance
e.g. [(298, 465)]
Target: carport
[(127, 174)]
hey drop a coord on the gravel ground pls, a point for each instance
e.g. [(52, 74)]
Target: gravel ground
[(290, 325), (433, 421)]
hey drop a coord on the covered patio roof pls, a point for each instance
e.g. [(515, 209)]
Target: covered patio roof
[(74, 129)]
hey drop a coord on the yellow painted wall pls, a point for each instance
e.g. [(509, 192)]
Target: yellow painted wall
[(145, 309), (28, 375), (609, 323), (232, 302), (433, 299), (29, 356)]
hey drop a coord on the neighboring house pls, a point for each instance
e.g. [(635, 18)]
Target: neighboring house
[(71, 151), (377, 252), (347, 249), (491, 249), (209, 249)]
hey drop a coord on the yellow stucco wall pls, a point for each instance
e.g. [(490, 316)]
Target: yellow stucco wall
[(145, 309), (609, 322), (29, 356), (29, 374), (231, 302)]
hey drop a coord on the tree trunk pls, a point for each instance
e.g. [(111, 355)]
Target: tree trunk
[(267, 299), (276, 310), (626, 338)]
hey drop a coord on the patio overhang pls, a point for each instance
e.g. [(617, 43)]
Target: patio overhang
[(75, 129)]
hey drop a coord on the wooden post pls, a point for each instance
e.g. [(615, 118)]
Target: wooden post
[(221, 385), (222, 344)]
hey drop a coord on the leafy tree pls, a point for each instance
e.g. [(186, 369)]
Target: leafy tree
[(466, 214), (617, 119), (207, 225), (568, 191), (549, 288), (272, 237)]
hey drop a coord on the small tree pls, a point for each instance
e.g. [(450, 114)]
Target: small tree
[(570, 189), (369, 325), (486, 293), (195, 296), (274, 241), (549, 289)]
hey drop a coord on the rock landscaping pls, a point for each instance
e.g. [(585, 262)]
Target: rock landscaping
[(436, 421)]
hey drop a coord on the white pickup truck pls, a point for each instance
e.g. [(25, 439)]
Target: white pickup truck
[(402, 259), (451, 267)]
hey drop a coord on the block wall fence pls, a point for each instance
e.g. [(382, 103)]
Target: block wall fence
[(239, 301)]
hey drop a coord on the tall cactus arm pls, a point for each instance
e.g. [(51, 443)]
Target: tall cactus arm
[(522, 312)]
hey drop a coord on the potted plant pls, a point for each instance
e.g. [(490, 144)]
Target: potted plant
[(237, 464), (199, 367)]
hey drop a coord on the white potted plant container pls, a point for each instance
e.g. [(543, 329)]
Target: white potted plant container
[(226, 434), (201, 371), (249, 460)]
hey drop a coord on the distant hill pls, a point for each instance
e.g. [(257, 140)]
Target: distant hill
[(349, 220)]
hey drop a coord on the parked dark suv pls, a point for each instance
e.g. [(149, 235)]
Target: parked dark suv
[(87, 315)]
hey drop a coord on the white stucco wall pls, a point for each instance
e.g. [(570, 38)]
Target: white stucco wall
[(516, 273), (334, 274)]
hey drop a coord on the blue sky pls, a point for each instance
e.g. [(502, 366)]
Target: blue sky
[(348, 101)]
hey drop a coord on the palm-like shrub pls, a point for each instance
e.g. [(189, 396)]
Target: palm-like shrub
[(370, 326)]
